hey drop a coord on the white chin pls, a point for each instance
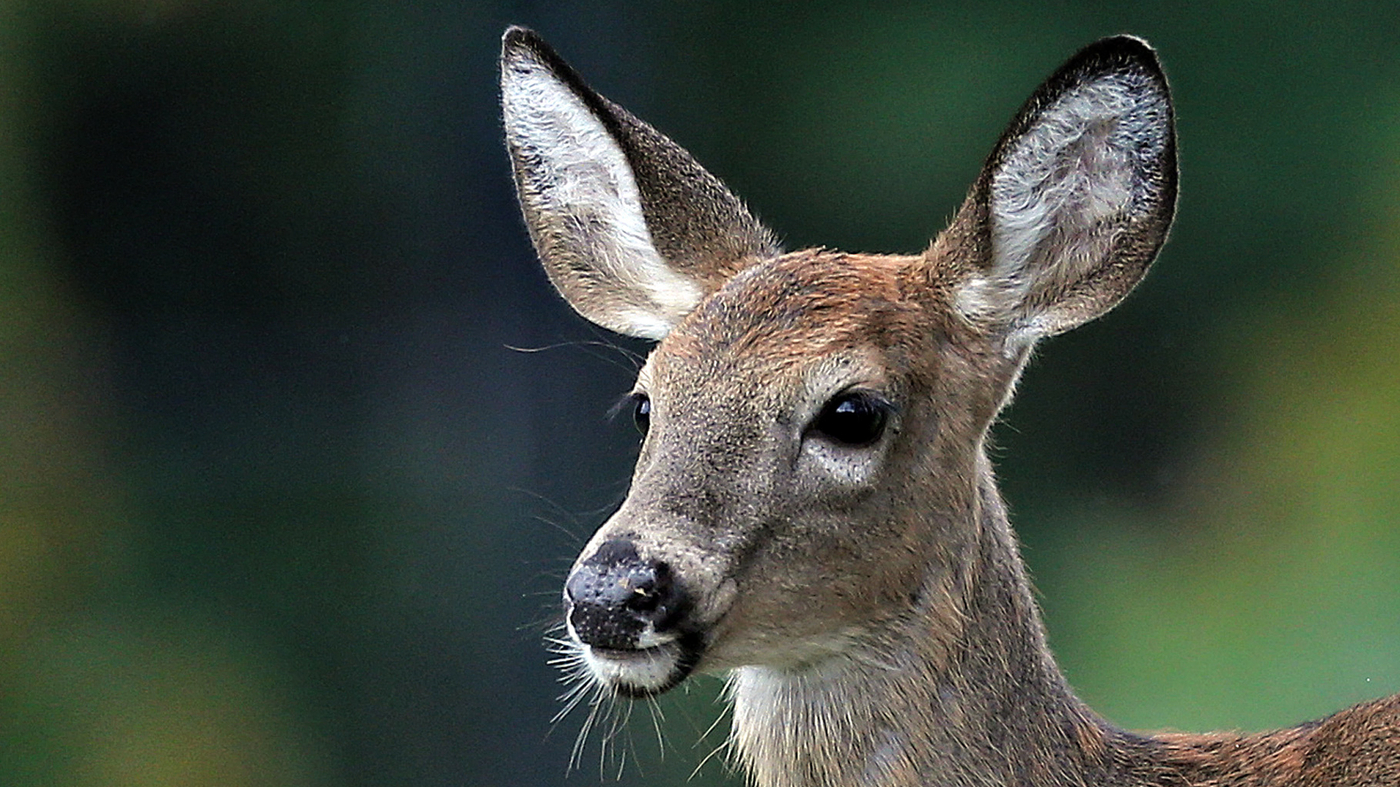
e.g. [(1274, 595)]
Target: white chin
[(636, 673)]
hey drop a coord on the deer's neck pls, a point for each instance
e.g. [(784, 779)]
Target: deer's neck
[(963, 691)]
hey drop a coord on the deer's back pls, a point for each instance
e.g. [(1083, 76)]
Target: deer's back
[(1356, 747)]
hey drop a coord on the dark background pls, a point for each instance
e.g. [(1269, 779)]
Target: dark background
[(297, 442)]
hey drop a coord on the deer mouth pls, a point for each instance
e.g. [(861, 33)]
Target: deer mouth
[(657, 663)]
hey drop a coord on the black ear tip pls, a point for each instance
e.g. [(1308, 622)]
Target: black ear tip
[(1126, 42), (522, 41), (516, 36), (1118, 52), (521, 47)]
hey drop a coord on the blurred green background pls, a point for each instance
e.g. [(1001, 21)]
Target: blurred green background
[(282, 503)]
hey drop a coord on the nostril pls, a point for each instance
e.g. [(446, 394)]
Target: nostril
[(650, 585)]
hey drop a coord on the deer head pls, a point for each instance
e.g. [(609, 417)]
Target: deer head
[(812, 486)]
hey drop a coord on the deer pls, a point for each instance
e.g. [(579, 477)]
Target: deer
[(813, 510)]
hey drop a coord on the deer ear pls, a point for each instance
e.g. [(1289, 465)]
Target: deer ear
[(1076, 198), (631, 230)]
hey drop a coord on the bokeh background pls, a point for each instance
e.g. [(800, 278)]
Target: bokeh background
[(296, 443)]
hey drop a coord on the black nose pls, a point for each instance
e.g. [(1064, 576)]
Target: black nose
[(615, 595)]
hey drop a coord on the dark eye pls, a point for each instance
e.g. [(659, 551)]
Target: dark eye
[(641, 412), (853, 419)]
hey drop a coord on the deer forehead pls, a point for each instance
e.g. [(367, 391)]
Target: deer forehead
[(808, 316)]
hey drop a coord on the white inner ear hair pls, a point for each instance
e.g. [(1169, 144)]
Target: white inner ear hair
[(586, 190), (1065, 189)]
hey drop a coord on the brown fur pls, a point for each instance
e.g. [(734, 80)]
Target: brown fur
[(869, 600)]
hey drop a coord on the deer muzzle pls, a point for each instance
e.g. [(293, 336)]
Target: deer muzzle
[(628, 615)]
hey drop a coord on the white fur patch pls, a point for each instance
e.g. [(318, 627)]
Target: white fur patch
[(588, 185), (647, 670), (1077, 169)]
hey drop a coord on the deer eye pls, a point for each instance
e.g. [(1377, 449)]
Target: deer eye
[(854, 418), (641, 412)]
